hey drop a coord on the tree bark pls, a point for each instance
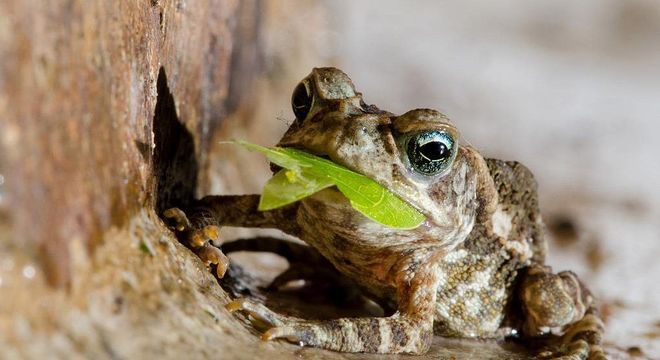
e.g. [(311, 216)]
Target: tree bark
[(109, 106)]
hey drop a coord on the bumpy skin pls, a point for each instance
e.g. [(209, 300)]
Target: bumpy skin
[(474, 269)]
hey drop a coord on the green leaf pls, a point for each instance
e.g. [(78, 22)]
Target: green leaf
[(306, 174), (287, 187), (275, 155)]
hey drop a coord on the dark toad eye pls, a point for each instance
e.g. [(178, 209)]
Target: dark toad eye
[(431, 152), (301, 101)]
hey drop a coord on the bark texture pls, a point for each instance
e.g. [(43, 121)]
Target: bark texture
[(109, 107)]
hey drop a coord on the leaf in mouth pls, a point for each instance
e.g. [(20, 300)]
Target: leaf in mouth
[(304, 174)]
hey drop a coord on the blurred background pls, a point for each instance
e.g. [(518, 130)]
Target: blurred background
[(570, 89)]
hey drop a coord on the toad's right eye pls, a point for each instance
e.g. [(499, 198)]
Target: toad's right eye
[(431, 152), (301, 101)]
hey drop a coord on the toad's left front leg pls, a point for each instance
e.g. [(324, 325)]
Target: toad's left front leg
[(409, 330), (561, 301)]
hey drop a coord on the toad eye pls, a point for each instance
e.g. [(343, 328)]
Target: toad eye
[(431, 152), (301, 101)]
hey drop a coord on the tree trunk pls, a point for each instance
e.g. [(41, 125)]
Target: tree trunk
[(109, 107)]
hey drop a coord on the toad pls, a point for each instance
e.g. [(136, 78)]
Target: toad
[(473, 269)]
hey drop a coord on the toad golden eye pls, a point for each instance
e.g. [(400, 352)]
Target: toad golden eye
[(301, 101), (431, 152)]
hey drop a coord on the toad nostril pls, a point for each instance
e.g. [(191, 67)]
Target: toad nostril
[(301, 101)]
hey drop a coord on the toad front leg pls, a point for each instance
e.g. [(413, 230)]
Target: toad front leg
[(409, 330), (199, 226), (561, 301)]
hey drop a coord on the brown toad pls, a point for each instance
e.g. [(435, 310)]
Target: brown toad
[(473, 269)]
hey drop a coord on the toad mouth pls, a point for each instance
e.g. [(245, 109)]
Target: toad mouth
[(304, 174)]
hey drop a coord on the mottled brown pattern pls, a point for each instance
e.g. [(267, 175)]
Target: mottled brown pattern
[(479, 253), (516, 187), (369, 334), (399, 335)]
